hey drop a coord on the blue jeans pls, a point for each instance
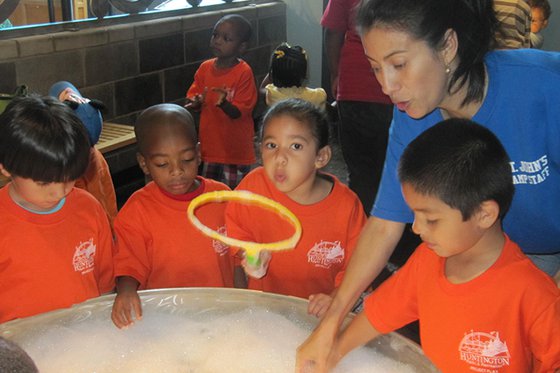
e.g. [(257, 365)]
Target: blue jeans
[(549, 263)]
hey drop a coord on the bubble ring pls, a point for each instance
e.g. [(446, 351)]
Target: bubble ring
[(251, 248)]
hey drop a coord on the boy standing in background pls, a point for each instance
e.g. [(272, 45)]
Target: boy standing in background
[(225, 93)]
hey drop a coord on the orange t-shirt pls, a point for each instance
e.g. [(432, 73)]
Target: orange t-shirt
[(330, 230), (158, 246), (97, 180), (55, 260), (505, 320), (222, 139)]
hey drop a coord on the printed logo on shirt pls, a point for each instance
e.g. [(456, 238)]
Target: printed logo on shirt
[(220, 247), (530, 172), (326, 254), (484, 352), (84, 257)]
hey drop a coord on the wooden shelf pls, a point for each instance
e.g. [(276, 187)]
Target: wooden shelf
[(115, 136)]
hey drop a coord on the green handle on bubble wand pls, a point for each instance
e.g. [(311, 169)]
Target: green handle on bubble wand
[(253, 257)]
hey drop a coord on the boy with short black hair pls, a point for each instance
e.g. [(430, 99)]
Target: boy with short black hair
[(157, 246), (481, 303), (224, 91), (56, 242)]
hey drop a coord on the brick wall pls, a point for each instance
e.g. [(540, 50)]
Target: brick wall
[(132, 66)]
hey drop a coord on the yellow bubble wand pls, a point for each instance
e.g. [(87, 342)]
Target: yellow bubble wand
[(252, 249)]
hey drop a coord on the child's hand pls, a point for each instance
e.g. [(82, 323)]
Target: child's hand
[(195, 102), (319, 304), (260, 269), (126, 303), (222, 95)]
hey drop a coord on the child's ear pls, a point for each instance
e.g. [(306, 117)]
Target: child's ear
[(142, 163), (323, 157), (243, 47), (488, 213), (4, 171), (198, 154)]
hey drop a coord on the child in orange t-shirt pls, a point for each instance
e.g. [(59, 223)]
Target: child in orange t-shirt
[(294, 146), (157, 246), (225, 93), (481, 303), (56, 242)]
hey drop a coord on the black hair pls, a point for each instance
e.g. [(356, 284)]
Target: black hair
[(13, 359), (242, 25), (461, 163), (304, 112), (542, 4), (288, 66), (474, 22), (42, 139), (157, 116)]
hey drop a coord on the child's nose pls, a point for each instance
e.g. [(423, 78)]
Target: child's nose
[(281, 157), (176, 168)]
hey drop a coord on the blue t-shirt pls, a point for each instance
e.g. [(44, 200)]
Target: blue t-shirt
[(522, 107)]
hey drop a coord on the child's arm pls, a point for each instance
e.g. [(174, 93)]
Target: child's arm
[(359, 332), (126, 302), (227, 107), (557, 278), (195, 102), (266, 81)]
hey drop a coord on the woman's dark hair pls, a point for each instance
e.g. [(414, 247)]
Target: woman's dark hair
[(461, 163), (288, 66), (474, 22), (42, 139), (304, 112)]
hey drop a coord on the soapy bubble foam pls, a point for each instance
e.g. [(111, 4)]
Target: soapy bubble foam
[(246, 341)]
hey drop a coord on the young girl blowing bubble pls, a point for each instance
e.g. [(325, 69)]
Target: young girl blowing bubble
[(294, 148)]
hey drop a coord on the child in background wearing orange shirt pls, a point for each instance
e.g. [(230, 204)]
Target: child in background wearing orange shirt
[(55, 240), (157, 246), (225, 93), (294, 146), (482, 304), (97, 179)]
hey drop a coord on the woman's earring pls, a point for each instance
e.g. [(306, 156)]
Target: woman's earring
[(447, 70)]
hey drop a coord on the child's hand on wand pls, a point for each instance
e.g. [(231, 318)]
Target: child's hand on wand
[(257, 267), (222, 95)]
